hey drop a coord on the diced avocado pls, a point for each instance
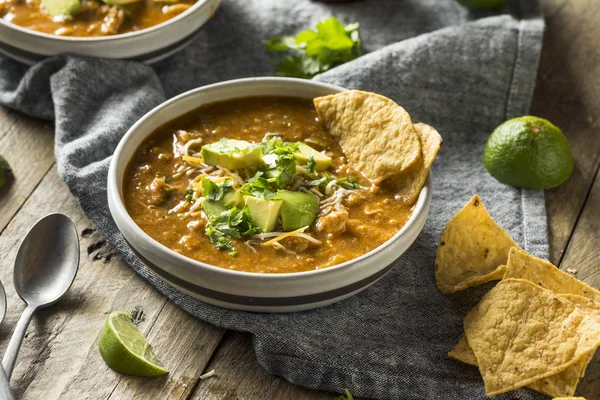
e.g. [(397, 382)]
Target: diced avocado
[(232, 154), (322, 162), (236, 201), (57, 8), (214, 208), (5, 171), (298, 209), (263, 212)]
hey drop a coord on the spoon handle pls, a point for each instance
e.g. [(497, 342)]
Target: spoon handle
[(8, 362), (5, 392)]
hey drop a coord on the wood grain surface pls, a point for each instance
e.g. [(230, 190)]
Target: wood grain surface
[(59, 356)]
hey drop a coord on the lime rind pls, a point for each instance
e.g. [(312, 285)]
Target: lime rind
[(528, 152), (125, 349)]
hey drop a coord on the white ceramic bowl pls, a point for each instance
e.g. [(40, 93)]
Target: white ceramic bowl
[(246, 290), (147, 45)]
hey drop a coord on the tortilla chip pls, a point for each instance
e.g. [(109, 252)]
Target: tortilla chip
[(568, 398), (409, 184), (522, 265), (562, 384), (473, 249), (521, 333), (376, 134)]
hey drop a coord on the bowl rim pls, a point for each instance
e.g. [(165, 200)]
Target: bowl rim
[(113, 191), (121, 36)]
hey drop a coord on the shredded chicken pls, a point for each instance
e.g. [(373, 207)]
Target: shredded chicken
[(333, 223), (113, 19)]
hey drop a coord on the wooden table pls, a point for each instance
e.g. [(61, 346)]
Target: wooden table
[(59, 357)]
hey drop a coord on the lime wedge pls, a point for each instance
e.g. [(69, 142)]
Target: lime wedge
[(125, 349)]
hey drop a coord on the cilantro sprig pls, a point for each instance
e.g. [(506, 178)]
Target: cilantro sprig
[(215, 191), (232, 223), (312, 52)]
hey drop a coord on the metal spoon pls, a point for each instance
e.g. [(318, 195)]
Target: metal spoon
[(45, 268)]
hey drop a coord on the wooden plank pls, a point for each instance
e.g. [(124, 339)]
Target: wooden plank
[(59, 357), (239, 376), (568, 94), (185, 345), (7, 119), (28, 146)]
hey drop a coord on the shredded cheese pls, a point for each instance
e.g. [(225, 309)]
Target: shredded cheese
[(207, 375), (193, 142), (284, 235), (194, 160)]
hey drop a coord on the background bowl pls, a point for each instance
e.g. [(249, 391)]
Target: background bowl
[(247, 290), (147, 45)]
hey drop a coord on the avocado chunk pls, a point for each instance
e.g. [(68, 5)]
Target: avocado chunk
[(5, 171), (214, 208), (298, 209), (232, 154), (263, 212), (57, 8), (321, 160)]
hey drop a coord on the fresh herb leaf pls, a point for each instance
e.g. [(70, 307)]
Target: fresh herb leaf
[(348, 396), (258, 186), (323, 181), (278, 147), (189, 195), (349, 183), (311, 166), (215, 191), (316, 51), (218, 238), (283, 173), (233, 223)]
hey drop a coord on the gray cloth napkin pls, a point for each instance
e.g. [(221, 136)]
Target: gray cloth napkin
[(460, 72)]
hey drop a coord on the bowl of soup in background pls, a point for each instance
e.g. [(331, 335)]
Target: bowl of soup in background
[(250, 291), (147, 45)]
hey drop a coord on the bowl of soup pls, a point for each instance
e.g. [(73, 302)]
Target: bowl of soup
[(238, 194), (142, 30)]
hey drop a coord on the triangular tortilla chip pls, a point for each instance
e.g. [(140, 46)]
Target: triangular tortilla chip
[(409, 185), (376, 134), (521, 333), (473, 249), (562, 384), (522, 265)]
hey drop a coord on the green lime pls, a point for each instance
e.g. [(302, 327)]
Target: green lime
[(528, 152), (4, 171), (481, 5), (125, 349)]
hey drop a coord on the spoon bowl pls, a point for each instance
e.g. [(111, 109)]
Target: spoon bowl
[(45, 267), (47, 261)]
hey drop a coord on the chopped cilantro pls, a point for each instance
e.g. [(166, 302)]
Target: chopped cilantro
[(189, 195), (323, 181), (279, 148), (311, 166), (347, 396), (349, 183), (258, 186), (314, 51), (233, 223), (215, 191), (283, 173)]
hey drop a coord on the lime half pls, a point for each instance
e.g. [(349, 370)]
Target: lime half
[(125, 349), (528, 152)]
